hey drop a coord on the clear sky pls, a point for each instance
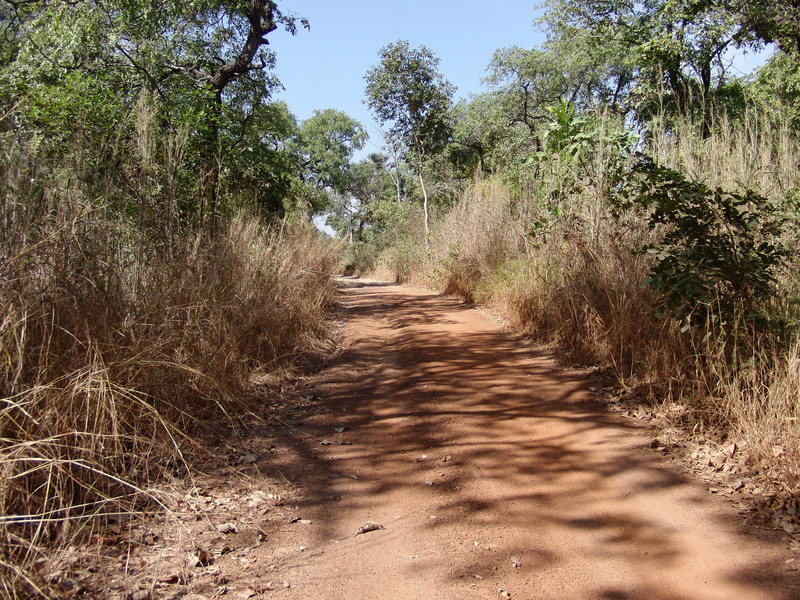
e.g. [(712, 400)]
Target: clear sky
[(325, 67)]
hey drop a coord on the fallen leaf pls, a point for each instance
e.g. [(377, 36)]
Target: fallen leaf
[(227, 528), (249, 458), (199, 557), (370, 526)]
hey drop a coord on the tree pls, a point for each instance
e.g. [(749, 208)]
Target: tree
[(205, 63), (326, 143), (352, 213), (406, 90), (776, 90), (674, 50), (771, 21)]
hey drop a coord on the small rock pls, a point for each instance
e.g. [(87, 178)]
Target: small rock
[(326, 442), (516, 562), (340, 429)]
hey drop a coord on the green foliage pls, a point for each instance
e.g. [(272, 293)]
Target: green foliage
[(776, 90), (326, 143), (772, 21), (73, 74), (719, 251), (581, 153), (407, 91)]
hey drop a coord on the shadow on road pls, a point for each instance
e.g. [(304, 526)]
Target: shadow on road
[(480, 446)]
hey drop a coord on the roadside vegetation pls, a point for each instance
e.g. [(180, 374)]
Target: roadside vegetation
[(157, 260), (620, 196)]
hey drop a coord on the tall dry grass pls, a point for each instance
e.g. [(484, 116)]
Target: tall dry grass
[(121, 337)]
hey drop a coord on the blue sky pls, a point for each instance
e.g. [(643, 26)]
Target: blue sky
[(325, 67)]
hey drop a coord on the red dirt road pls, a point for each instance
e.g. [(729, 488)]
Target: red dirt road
[(494, 473)]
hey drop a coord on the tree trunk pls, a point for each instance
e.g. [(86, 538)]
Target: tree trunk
[(425, 210)]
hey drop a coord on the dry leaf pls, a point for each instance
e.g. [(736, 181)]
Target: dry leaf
[(227, 528), (370, 526)]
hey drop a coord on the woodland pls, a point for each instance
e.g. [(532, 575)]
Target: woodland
[(618, 195)]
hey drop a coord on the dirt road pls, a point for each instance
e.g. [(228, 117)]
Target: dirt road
[(494, 474)]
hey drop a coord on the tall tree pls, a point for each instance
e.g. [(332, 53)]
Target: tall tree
[(406, 90)]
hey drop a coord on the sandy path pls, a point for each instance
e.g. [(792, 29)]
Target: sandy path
[(492, 469)]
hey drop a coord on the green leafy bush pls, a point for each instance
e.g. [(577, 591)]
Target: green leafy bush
[(719, 251)]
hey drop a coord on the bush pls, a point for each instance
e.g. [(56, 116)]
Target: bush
[(719, 251)]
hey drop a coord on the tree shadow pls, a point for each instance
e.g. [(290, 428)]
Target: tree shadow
[(500, 441)]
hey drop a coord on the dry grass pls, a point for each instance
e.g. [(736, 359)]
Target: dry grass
[(474, 238), (113, 354)]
